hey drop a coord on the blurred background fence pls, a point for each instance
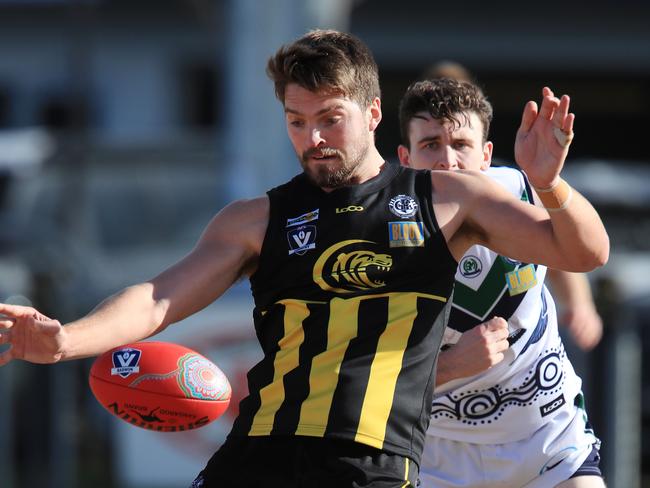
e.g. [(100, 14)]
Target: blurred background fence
[(125, 125)]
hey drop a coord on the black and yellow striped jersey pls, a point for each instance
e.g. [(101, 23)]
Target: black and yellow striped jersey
[(351, 299)]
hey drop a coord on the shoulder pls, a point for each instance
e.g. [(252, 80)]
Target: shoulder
[(246, 210), (241, 222)]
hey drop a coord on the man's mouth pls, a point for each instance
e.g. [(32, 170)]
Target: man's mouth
[(323, 154)]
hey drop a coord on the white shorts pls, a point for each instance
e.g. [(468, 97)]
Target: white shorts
[(550, 456)]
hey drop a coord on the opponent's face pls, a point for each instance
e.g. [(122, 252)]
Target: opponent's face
[(331, 134), (439, 144)]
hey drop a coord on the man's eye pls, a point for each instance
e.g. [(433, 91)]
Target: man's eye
[(296, 123)]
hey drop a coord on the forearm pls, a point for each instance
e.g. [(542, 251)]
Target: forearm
[(128, 316), (570, 289), (579, 235), (445, 369)]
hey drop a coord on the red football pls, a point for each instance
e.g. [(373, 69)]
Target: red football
[(160, 386)]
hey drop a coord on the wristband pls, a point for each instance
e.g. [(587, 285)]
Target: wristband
[(556, 197)]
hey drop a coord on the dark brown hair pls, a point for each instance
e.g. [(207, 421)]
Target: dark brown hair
[(326, 61), (445, 99)]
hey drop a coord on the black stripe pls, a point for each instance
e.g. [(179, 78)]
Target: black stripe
[(262, 373), (417, 365), (296, 382), (344, 415)]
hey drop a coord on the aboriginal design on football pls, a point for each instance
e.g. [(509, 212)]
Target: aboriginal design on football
[(481, 407), (198, 378), (352, 266)]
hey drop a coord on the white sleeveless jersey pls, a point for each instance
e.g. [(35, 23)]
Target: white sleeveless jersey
[(535, 381)]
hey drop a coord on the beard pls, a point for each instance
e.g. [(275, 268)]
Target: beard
[(336, 172)]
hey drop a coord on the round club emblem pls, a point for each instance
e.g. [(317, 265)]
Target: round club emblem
[(470, 266), (403, 206)]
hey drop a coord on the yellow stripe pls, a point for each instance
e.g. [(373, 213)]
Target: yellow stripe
[(386, 366), (286, 359), (326, 366), (406, 473)]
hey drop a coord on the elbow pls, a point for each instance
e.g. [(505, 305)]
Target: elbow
[(597, 257)]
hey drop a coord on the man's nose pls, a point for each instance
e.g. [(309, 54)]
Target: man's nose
[(446, 159), (315, 138)]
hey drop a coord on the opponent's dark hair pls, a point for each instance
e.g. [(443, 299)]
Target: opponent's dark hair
[(445, 99)]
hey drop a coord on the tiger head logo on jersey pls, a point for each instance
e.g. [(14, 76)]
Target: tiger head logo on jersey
[(351, 266)]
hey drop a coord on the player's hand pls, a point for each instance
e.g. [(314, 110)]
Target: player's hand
[(584, 324), (31, 335), (478, 349), (543, 139)]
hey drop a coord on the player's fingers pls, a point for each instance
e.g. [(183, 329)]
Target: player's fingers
[(528, 117), (497, 358), (496, 323), (6, 323), (561, 112), (548, 108), (567, 125), (15, 311), (6, 356)]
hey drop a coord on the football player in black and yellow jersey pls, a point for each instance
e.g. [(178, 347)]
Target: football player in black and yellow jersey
[(351, 265)]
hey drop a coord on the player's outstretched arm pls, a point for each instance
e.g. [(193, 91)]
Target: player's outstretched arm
[(227, 250), (478, 349), (541, 147)]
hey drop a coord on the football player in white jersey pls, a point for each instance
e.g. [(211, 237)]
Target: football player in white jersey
[(508, 410)]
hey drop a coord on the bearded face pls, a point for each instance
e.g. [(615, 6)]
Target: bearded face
[(330, 134)]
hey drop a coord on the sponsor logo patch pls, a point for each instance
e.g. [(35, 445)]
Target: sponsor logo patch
[(126, 362), (303, 219), (405, 234), (403, 206), (301, 239), (552, 406), (521, 279), (470, 266), (349, 208)]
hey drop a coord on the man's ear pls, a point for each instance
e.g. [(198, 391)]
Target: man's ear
[(375, 114), (487, 155), (403, 155)]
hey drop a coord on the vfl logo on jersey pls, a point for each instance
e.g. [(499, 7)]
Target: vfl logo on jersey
[(405, 234), (521, 279), (301, 239), (352, 266), (403, 206), (303, 219), (351, 208), (470, 266), (125, 362)]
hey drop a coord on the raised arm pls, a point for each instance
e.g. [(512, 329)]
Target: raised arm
[(227, 250), (567, 235)]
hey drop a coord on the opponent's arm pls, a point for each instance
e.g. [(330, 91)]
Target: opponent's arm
[(579, 313), (227, 250)]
